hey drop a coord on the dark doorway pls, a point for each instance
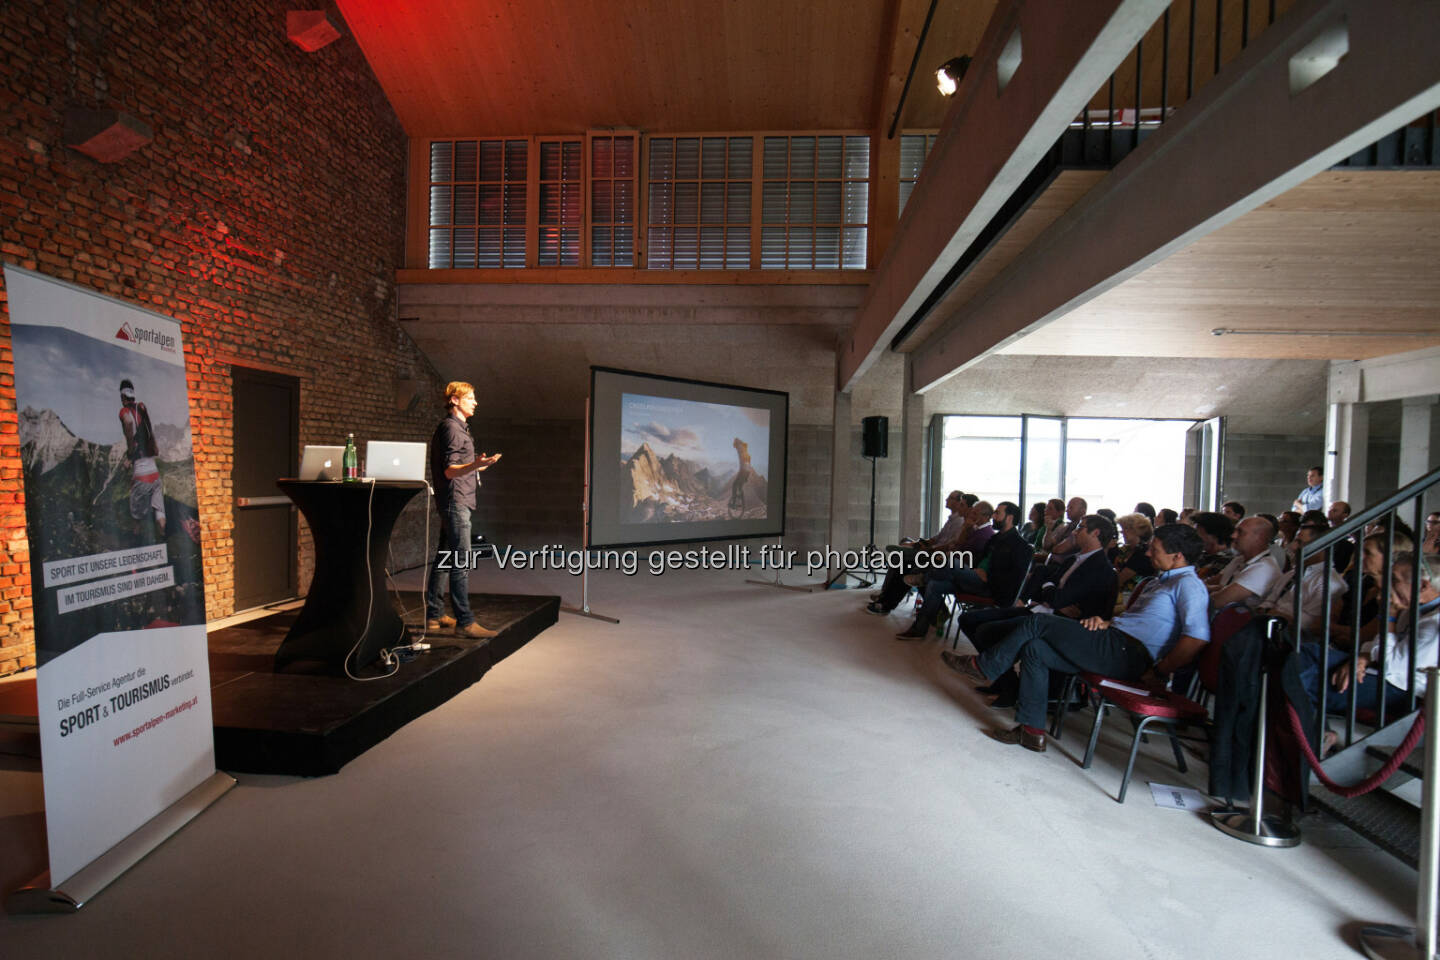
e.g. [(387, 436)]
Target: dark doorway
[(267, 429)]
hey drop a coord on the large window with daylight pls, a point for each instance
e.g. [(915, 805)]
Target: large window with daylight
[(561, 208), (980, 455), (699, 203), (477, 203), (815, 204), (914, 151), (612, 200), (1111, 463)]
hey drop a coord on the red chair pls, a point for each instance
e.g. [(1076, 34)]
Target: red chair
[(1163, 708)]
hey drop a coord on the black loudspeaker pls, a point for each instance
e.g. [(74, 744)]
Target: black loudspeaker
[(875, 437)]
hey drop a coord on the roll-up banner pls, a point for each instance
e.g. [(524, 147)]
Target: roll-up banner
[(111, 515)]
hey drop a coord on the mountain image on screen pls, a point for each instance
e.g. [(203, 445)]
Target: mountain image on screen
[(671, 489)]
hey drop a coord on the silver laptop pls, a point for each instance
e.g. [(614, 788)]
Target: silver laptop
[(321, 463), (389, 460)]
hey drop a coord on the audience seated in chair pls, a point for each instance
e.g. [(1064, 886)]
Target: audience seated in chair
[(997, 574), (1398, 671), (1133, 560), (1279, 601), (1060, 542), (1215, 531), (1249, 576), (1167, 626), (1086, 588), (893, 589)]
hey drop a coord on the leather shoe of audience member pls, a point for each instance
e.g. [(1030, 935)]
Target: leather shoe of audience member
[(444, 623), (874, 607), (1018, 734), (915, 632), (966, 666), (476, 632)]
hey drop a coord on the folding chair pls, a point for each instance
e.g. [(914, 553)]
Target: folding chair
[(1163, 708)]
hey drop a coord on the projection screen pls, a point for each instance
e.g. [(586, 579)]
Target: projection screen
[(675, 460)]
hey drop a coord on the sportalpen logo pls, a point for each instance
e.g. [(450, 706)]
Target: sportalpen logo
[(141, 335)]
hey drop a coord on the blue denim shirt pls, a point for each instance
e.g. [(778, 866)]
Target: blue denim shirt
[(1173, 605)]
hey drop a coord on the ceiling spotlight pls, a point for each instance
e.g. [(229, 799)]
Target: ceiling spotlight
[(948, 77)]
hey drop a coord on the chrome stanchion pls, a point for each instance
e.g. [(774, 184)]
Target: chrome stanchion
[(1389, 942), (1253, 826)]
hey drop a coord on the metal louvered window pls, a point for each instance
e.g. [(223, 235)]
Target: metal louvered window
[(477, 203), (699, 203), (815, 203), (613, 170), (914, 150), (562, 194)]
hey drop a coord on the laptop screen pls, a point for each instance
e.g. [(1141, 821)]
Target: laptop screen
[(321, 463), (390, 460)]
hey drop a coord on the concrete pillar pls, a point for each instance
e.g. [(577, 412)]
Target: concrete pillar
[(1415, 459), (840, 456), (1347, 442), (912, 460)]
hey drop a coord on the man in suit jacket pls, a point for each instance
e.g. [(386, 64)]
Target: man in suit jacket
[(1085, 587), (999, 574)]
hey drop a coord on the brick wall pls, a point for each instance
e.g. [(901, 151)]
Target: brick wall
[(266, 216)]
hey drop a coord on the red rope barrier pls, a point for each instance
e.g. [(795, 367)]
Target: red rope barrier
[(1402, 752)]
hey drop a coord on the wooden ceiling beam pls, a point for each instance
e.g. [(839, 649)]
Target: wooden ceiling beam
[(904, 21), (1248, 137), (991, 140)]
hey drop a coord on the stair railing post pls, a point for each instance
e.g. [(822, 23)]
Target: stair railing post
[(1387, 941), (1252, 825)]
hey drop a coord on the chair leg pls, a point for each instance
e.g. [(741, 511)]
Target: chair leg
[(1100, 709), (1179, 754), (1068, 694), (1130, 764)]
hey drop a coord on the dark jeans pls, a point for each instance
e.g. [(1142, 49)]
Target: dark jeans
[(1045, 642), (941, 583), (893, 590), (454, 550), (1312, 674), (973, 623)]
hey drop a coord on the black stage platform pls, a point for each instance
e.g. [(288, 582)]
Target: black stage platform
[(314, 723)]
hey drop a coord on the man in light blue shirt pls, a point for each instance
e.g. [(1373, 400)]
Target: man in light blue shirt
[(1164, 629), (1313, 496)]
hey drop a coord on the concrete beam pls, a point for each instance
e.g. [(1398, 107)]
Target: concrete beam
[(1243, 140), (1396, 376), (991, 139)]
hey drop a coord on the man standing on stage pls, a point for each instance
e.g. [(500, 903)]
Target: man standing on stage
[(147, 492), (454, 467)]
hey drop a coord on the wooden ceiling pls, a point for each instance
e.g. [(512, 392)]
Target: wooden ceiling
[(483, 67), (1346, 252)]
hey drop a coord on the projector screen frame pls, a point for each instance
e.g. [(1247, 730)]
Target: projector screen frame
[(775, 526)]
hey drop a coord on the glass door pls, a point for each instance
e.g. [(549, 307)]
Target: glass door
[(1042, 462), (1204, 463)]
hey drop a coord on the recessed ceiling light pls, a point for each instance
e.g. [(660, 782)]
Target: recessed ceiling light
[(1087, 396)]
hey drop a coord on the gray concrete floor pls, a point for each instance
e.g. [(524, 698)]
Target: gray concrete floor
[(732, 771)]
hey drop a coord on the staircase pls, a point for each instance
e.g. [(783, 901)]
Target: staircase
[(1388, 816)]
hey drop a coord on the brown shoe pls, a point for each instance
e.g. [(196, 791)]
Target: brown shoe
[(476, 632), (966, 666), (444, 623), (1026, 739)]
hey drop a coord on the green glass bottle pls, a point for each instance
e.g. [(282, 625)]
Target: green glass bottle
[(352, 461)]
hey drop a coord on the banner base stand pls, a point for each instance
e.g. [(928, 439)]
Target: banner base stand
[(586, 612), (68, 897)]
